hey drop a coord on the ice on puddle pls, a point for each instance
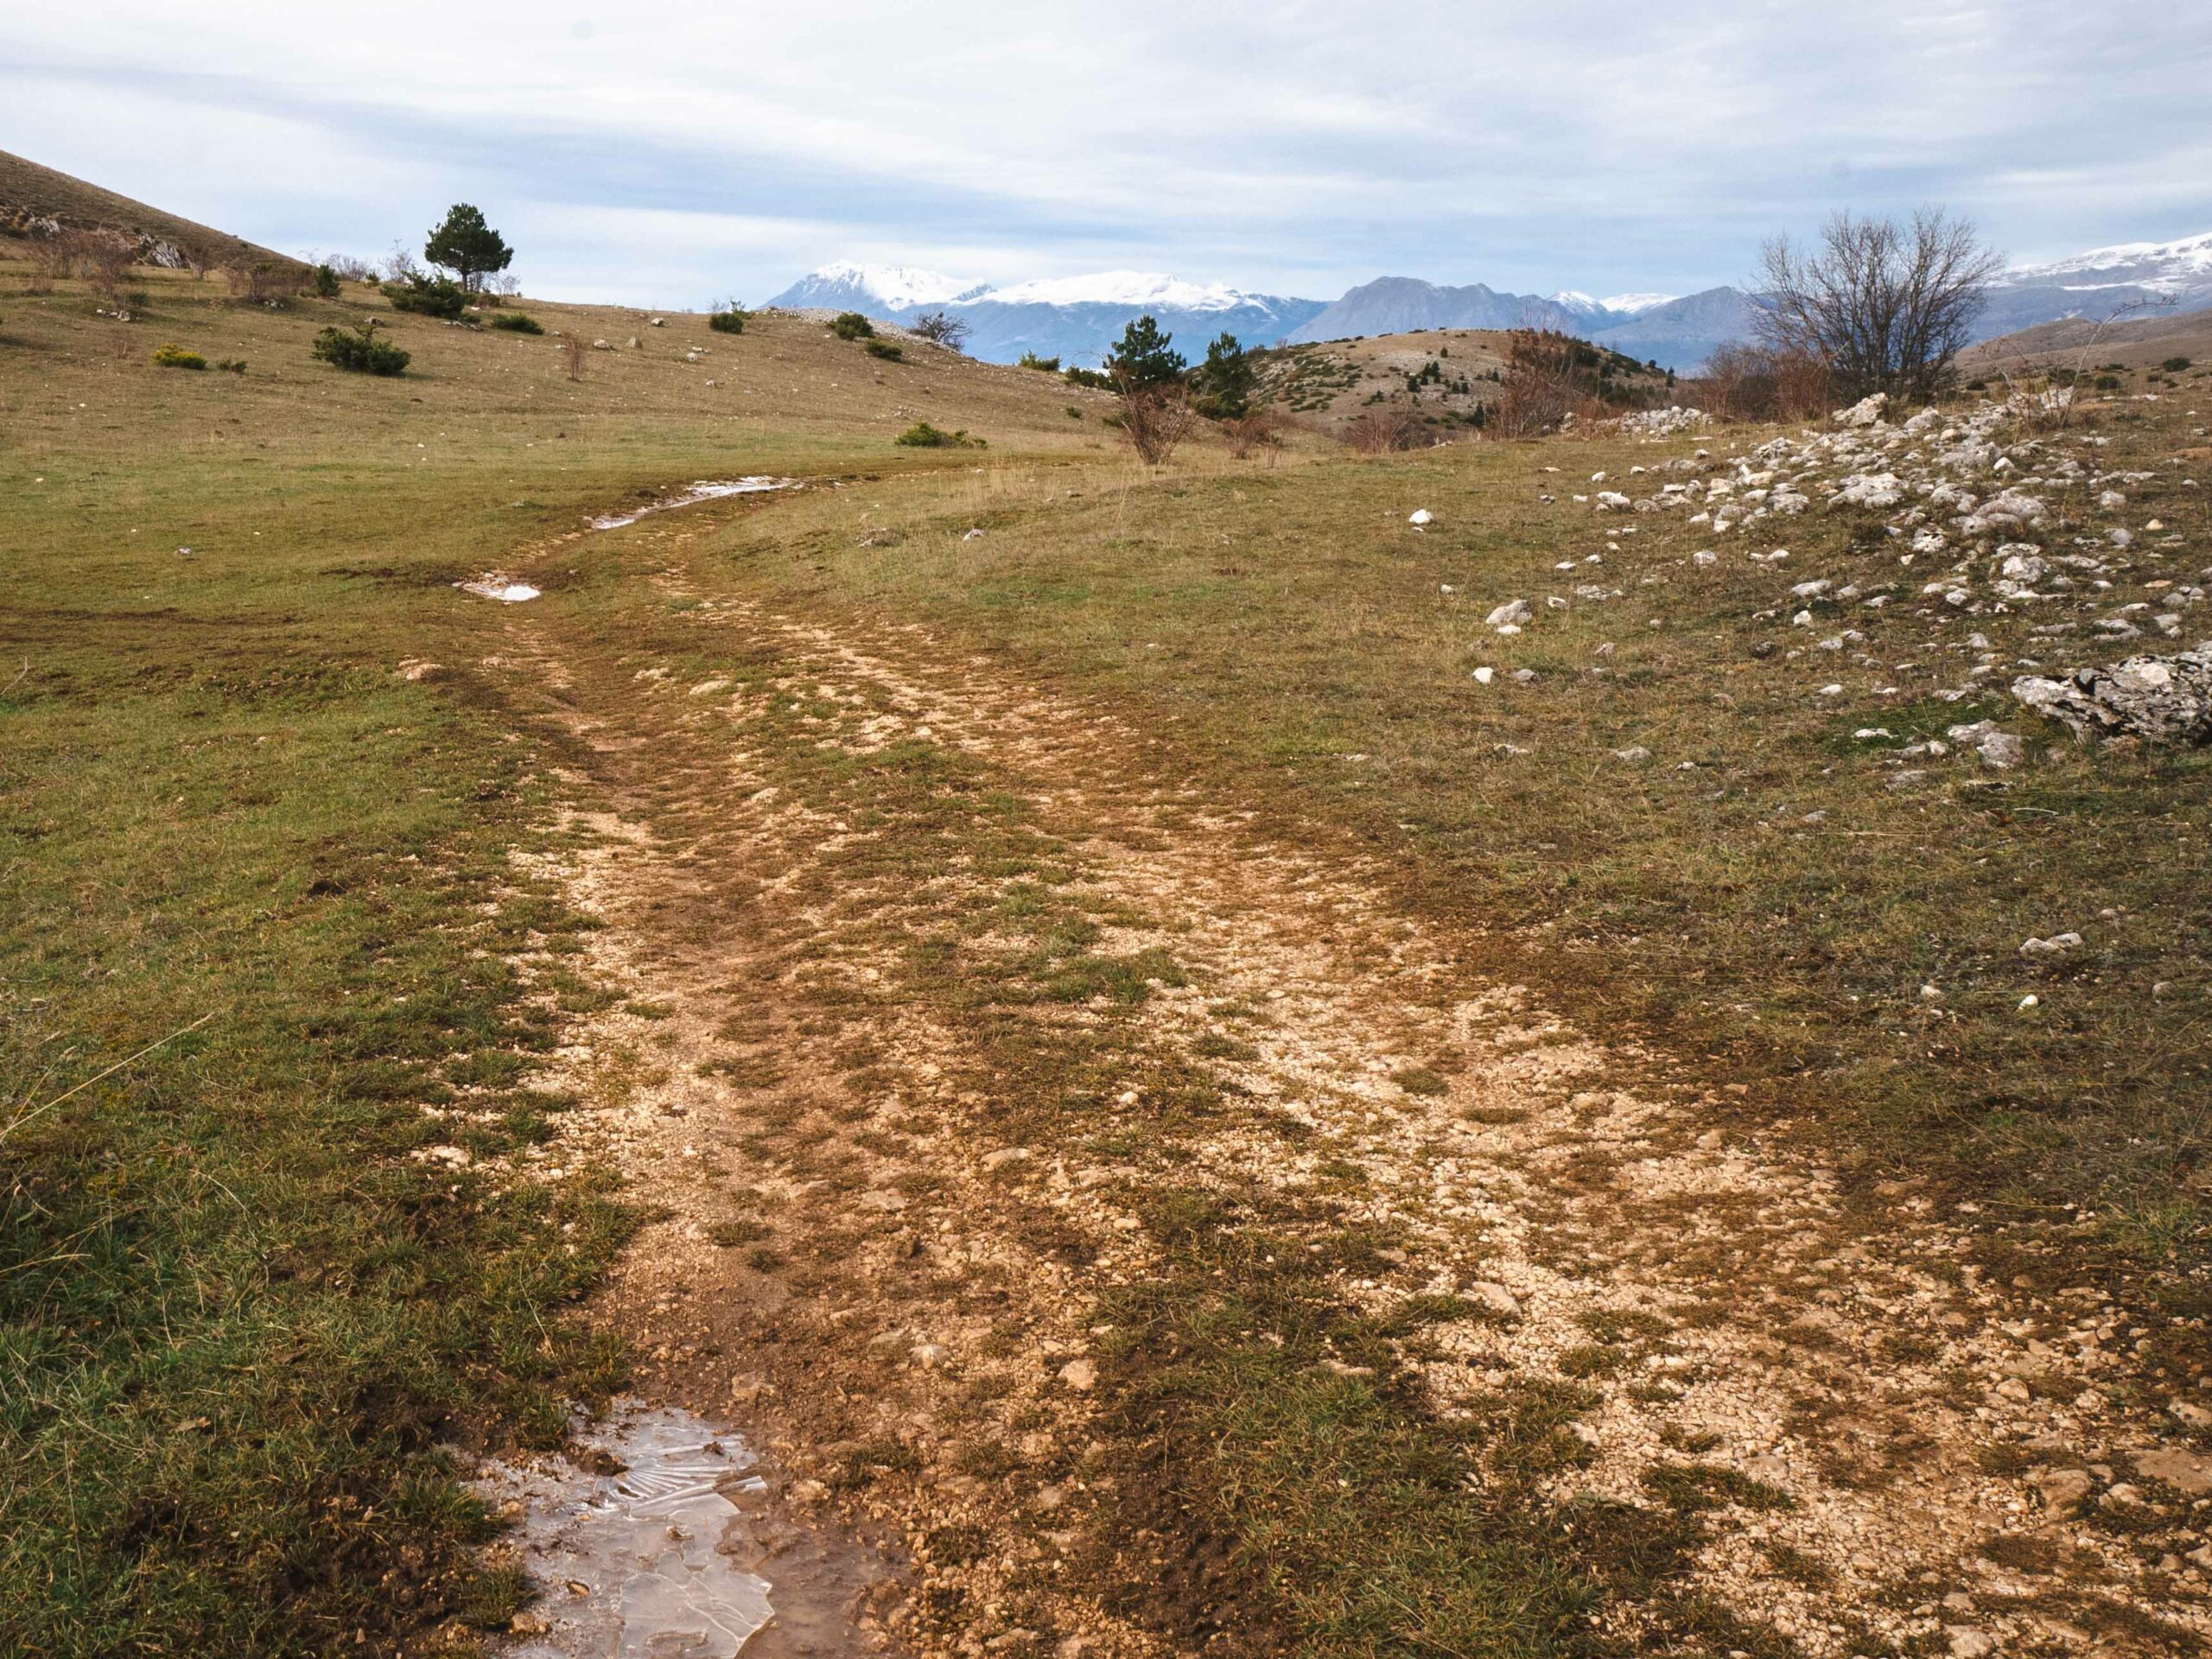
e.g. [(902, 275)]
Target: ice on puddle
[(498, 588), (642, 1544), (705, 490)]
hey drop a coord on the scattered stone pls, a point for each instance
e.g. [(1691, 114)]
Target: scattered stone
[(1080, 1375), (1513, 613), (2058, 945)]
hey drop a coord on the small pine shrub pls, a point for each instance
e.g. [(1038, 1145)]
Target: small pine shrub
[(176, 356), (2175, 364), (1074, 414), (360, 351), (730, 320), (326, 282), (1031, 360), (851, 325), (515, 322), (1096, 380), (884, 349), (232, 365), (922, 436), (431, 296)]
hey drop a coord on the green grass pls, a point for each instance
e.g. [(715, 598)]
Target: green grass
[(1753, 898)]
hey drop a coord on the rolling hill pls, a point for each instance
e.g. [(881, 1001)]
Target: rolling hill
[(38, 201)]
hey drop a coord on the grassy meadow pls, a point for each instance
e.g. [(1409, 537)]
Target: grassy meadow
[(259, 939)]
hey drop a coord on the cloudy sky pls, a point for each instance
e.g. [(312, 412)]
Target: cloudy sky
[(671, 153)]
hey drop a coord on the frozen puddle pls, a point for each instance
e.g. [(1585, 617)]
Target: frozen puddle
[(498, 588), (645, 1549), (705, 490)]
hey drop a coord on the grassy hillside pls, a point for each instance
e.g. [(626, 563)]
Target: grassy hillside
[(239, 1311), (2136, 348), (29, 192), (1441, 376), (273, 989)]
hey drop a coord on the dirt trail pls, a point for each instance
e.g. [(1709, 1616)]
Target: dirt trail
[(891, 1205)]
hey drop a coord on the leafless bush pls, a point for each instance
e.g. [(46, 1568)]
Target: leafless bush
[(941, 328), (1257, 430), (1752, 383), (1549, 377), (1885, 306), (572, 355), (351, 268), (1381, 428), (103, 259), (265, 283), (52, 258), (1156, 418)]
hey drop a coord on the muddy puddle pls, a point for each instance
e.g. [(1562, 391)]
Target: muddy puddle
[(705, 490), (662, 1538)]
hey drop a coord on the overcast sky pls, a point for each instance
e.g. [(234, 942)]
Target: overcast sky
[(664, 152)]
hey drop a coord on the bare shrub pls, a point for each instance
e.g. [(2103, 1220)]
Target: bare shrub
[(1886, 307), (103, 259), (52, 258), (1549, 377), (941, 328), (1751, 383), (1259, 430), (1383, 428), (1155, 419), (572, 355)]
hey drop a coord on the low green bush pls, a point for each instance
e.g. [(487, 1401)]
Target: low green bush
[(326, 282), (1031, 360), (922, 436), (1092, 377), (729, 320), (176, 357), (515, 322), (851, 325), (432, 296), (360, 351), (884, 349), (2175, 364)]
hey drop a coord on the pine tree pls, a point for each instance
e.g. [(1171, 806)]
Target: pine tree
[(1225, 381), (1144, 356), (467, 245)]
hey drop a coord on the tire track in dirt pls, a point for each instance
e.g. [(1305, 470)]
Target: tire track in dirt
[(1881, 1453)]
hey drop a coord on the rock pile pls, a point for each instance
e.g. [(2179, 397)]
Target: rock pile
[(2166, 699)]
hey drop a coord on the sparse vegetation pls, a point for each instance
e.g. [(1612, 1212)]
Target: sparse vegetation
[(518, 323), (1031, 360), (884, 349)]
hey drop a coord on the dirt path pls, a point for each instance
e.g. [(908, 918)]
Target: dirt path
[(945, 1000)]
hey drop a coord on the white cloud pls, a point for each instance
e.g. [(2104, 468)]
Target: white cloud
[(1588, 142)]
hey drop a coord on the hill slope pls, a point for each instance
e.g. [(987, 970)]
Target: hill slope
[(34, 199)]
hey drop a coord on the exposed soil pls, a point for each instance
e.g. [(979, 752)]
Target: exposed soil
[(904, 1161)]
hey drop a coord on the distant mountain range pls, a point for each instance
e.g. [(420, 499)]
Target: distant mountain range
[(1076, 318), (1072, 318)]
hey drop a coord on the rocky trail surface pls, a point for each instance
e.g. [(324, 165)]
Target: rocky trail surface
[(1006, 1097)]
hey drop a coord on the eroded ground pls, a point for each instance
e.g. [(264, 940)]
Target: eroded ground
[(1100, 1198)]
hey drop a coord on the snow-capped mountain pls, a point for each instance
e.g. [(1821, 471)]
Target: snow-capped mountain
[(2179, 266), (1073, 318), (853, 287), (1635, 305)]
